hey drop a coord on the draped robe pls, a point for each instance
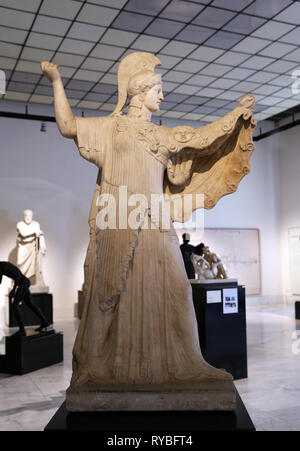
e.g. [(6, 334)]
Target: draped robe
[(30, 241), (138, 325)]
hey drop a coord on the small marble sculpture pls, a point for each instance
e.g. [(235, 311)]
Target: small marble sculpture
[(19, 294), (203, 270), (31, 248), (137, 346), (215, 261), (208, 266)]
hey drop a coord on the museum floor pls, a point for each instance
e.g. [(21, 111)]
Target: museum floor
[(271, 392)]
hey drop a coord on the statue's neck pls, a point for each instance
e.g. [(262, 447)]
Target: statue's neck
[(142, 113)]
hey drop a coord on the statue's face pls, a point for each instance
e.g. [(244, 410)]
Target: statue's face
[(28, 215), (153, 98)]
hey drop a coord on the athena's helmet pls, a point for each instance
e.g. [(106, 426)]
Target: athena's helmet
[(130, 66)]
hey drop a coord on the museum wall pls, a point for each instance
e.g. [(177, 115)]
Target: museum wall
[(44, 172), (289, 181)]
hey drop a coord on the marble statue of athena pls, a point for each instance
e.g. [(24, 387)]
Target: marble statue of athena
[(31, 248), (138, 332)]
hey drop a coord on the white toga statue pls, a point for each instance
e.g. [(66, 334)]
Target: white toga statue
[(31, 248)]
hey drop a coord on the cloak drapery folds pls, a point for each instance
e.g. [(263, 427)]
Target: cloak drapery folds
[(109, 247), (213, 160)]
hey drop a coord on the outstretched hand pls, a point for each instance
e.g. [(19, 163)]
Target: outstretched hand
[(50, 70)]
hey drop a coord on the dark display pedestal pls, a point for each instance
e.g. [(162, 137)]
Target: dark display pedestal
[(80, 304), (297, 309), (222, 335), (187, 421), (43, 301), (30, 353)]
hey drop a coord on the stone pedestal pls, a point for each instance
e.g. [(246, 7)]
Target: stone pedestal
[(213, 281), (37, 289), (132, 423), (297, 310), (222, 336), (211, 395), (32, 352)]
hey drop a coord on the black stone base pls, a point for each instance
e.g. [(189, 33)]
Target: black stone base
[(80, 304), (179, 422), (33, 352), (43, 301), (297, 309), (222, 337)]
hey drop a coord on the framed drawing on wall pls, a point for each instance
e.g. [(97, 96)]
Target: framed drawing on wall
[(239, 250)]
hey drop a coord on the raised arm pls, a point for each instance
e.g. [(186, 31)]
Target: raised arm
[(63, 113)]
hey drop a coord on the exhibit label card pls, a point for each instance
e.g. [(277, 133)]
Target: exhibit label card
[(213, 296), (230, 300)]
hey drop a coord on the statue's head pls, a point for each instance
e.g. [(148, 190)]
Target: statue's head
[(28, 216), (145, 88), (186, 237), (138, 82)]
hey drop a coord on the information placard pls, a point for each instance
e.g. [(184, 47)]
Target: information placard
[(230, 300), (213, 296), (2, 344)]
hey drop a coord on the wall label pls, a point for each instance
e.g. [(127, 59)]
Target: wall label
[(213, 296)]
